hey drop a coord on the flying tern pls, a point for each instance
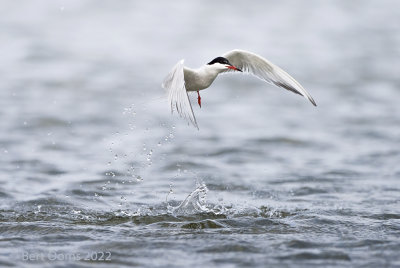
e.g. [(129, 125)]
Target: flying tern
[(182, 79)]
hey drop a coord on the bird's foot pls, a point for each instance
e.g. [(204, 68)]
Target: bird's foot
[(198, 98)]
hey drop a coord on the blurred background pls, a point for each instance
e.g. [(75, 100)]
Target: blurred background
[(92, 159)]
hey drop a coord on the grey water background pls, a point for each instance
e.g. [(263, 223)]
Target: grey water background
[(92, 162)]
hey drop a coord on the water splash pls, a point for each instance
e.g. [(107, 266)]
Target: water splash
[(195, 202)]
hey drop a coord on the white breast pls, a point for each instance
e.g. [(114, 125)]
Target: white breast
[(199, 79)]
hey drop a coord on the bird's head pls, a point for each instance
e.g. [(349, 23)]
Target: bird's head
[(222, 64)]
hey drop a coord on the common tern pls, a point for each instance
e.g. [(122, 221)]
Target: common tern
[(182, 79)]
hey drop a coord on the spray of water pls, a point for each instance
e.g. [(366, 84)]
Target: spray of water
[(195, 202)]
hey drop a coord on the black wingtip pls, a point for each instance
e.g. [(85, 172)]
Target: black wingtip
[(312, 101)]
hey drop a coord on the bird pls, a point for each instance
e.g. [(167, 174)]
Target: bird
[(182, 79)]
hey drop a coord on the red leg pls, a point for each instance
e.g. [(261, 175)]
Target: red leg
[(198, 98)]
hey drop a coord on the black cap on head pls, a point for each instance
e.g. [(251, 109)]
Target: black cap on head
[(221, 60)]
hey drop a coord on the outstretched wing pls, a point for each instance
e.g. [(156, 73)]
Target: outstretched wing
[(266, 70), (178, 98)]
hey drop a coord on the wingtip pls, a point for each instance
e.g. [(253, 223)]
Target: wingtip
[(313, 102), (195, 125)]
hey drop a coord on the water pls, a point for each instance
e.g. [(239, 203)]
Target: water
[(94, 170)]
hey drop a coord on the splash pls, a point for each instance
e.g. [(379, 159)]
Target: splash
[(195, 202)]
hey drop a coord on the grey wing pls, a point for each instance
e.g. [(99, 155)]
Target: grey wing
[(266, 70), (178, 98)]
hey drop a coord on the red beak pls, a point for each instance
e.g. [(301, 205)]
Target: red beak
[(234, 68)]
